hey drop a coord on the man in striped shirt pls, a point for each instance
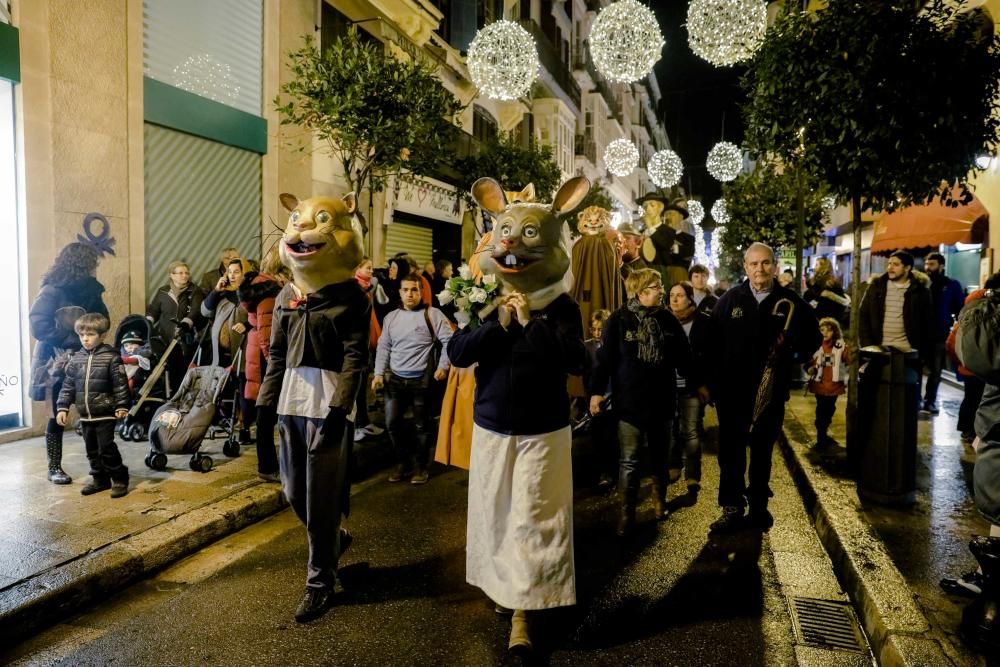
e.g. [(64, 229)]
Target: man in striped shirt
[(896, 310)]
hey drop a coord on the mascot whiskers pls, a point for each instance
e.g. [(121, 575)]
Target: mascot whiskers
[(319, 348), (520, 518)]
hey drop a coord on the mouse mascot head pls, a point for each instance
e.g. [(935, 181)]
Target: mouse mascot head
[(322, 243)]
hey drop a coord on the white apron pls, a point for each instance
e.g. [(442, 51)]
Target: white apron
[(520, 528)]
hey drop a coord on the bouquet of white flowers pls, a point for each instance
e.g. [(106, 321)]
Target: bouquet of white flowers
[(473, 302)]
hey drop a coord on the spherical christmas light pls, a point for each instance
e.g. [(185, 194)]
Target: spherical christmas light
[(724, 161), (696, 212), (725, 32), (625, 41), (700, 256), (503, 61), (207, 77), (719, 212), (621, 157), (665, 168)]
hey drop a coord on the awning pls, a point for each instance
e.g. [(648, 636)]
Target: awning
[(931, 225)]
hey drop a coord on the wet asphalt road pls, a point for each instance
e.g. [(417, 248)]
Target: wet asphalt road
[(670, 595)]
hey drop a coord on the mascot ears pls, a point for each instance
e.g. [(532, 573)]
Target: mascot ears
[(290, 202), (570, 195), (491, 197)]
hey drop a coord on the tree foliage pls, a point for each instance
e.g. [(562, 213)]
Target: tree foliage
[(378, 115), (513, 166), (763, 206), (883, 100)]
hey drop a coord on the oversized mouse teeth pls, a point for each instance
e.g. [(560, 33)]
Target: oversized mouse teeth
[(511, 260)]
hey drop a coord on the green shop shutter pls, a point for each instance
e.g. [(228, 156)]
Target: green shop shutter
[(200, 196), (415, 240)]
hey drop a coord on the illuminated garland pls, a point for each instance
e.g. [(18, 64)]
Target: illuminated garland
[(625, 41), (503, 61), (724, 161), (665, 168), (621, 157), (725, 32)]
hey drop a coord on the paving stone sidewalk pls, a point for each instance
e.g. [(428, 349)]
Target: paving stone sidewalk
[(892, 558), (59, 548)]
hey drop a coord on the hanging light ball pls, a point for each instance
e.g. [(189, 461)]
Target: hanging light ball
[(503, 61), (725, 32), (695, 211), (665, 168), (621, 157), (207, 76), (719, 212), (724, 161), (625, 41)]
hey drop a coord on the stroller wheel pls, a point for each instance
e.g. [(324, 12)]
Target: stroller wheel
[(137, 432), (231, 448), (148, 461), (201, 463), (158, 461)]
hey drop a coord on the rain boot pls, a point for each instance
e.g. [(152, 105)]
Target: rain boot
[(659, 498), (981, 619), (53, 448), (520, 639)]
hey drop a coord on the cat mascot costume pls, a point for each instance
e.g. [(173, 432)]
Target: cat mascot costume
[(519, 547), (319, 347)]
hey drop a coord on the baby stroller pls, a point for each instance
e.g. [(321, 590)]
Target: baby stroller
[(181, 425), (145, 370)]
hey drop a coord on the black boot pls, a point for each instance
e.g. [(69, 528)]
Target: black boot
[(981, 619), (53, 447)]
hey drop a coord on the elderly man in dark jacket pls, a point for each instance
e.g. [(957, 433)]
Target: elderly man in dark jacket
[(902, 318), (750, 320)]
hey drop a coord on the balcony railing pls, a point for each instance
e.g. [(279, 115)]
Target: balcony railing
[(552, 61)]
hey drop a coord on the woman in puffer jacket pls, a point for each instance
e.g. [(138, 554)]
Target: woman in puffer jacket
[(256, 296), (69, 289)]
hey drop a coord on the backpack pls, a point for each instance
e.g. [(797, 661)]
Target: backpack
[(978, 344)]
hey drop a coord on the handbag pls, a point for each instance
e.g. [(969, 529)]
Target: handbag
[(434, 358)]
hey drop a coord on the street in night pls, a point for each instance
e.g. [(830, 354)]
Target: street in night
[(500, 332)]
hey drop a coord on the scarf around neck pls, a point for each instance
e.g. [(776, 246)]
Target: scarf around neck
[(649, 334), (365, 283), (685, 316)]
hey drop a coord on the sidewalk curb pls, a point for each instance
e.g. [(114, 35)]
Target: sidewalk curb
[(896, 627), (51, 595)]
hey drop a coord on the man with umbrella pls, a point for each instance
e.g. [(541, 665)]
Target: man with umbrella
[(763, 328)]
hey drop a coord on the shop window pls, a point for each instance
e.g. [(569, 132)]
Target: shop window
[(11, 403)]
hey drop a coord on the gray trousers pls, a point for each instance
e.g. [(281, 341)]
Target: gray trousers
[(314, 477)]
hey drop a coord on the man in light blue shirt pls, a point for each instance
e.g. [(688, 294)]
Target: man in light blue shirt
[(410, 336)]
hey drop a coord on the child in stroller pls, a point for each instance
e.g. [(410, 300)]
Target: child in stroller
[(142, 352)]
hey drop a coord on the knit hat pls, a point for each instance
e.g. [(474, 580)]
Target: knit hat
[(133, 337)]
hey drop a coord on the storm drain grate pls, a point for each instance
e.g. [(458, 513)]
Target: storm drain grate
[(827, 624)]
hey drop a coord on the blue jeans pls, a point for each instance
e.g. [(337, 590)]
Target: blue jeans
[(655, 437), (412, 448)]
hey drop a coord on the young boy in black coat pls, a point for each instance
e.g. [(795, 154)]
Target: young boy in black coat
[(96, 382)]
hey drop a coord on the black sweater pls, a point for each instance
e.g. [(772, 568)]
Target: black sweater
[(522, 371), (641, 391), (329, 330)]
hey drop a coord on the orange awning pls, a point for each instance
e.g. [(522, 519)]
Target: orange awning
[(931, 225)]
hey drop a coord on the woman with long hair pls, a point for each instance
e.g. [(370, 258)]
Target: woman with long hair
[(69, 290)]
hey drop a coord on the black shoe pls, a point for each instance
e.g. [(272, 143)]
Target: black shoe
[(95, 486), (245, 438), (933, 408), (315, 603), (731, 520), (760, 519), (625, 523), (399, 473)]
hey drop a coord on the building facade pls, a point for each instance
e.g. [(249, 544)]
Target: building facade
[(149, 127)]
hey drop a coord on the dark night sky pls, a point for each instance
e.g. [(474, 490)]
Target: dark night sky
[(696, 96)]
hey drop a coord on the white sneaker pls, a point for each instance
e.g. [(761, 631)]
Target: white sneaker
[(372, 429)]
